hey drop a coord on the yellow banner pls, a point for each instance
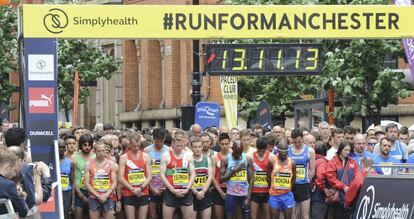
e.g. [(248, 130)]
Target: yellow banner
[(218, 21), (229, 94)]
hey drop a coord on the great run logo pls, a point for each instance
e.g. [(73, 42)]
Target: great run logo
[(368, 208), (209, 111)]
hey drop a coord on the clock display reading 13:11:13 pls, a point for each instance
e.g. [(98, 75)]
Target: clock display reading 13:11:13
[(263, 59)]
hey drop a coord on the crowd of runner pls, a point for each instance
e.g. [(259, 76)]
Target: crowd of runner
[(213, 173)]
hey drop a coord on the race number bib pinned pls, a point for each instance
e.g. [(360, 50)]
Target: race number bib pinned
[(200, 180), (260, 179), (155, 166), (136, 177), (180, 178), (300, 171), (101, 183), (64, 179), (282, 181), (240, 176)]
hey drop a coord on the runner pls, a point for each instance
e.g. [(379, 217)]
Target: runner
[(156, 187), (219, 190), (177, 173), (385, 158), (202, 182), (304, 157), (66, 179), (71, 146), (245, 136), (79, 159), (207, 142), (237, 170), (282, 177), (100, 180), (135, 175), (262, 160)]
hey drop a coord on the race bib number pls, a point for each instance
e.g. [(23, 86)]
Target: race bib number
[(260, 179), (155, 165), (240, 176), (300, 172), (180, 178), (200, 181), (64, 179), (136, 177), (282, 181), (101, 183)]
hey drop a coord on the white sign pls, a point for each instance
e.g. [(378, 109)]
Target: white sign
[(41, 68)]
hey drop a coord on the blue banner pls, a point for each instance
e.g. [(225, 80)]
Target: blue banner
[(207, 114), (40, 110), (264, 115)]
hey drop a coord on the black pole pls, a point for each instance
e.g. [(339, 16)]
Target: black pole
[(196, 80)]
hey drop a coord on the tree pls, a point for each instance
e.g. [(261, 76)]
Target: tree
[(91, 64), (354, 68), (8, 51), (362, 81)]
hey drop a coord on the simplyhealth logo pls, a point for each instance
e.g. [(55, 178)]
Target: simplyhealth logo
[(55, 21)]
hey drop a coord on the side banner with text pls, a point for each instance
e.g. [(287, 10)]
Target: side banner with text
[(40, 107), (229, 94), (377, 199), (408, 42)]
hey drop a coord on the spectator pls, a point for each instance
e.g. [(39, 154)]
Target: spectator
[(341, 172), (349, 132), (108, 128), (15, 137), (8, 189), (403, 135), (195, 130)]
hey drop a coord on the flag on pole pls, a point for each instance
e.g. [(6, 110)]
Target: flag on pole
[(75, 99)]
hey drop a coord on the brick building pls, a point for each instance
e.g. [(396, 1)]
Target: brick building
[(154, 80)]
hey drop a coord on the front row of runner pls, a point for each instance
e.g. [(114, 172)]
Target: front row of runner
[(190, 178)]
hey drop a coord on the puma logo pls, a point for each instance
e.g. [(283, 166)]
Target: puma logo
[(49, 99)]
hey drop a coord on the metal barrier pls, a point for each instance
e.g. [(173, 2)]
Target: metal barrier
[(404, 169), (10, 210)]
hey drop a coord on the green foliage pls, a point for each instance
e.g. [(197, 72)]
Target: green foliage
[(354, 68), (91, 63), (8, 51)]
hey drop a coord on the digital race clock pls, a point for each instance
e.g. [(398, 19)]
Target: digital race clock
[(263, 59)]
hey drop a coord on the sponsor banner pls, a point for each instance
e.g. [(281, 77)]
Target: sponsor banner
[(40, 120), (207, 114), (385, 198), (409, 42), (218, 21), (264, 115), (41, 67), (229, 94), (41, 100), (41, 132)]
